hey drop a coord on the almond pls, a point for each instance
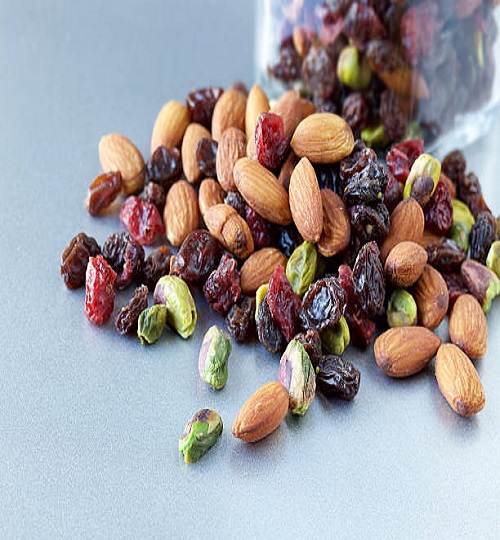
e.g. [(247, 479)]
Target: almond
[(170, 125), (431, 296), (257, 103), (262, 413), (287, 169), (336, 233), (428, 237), (230, 229), (305, 201), (194, 132), (229, 111), (117, 153), (209, 194), (406, 350), (408, 82), (467, 326), (301, 41), (181, 215), (405, 263), (262, 191), (407, 223), (323, 138), (459, 381), (232, 147), (259, 267)]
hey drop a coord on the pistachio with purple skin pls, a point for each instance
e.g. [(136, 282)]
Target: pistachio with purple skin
[(214, 353), (482, 282), (200, 434)]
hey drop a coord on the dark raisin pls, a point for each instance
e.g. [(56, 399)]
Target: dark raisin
[(287, 239), (368, 280), (288, 64), (357, 160), (240, 320), (261, 229), (268, 330), (329, 177), (201, 104), (154, 194), (336, 377), (318, 72), (102, 192), (454, 165), (393, 193), (125, 255), (356, 111), (241, 87), (164, 167), (142, 220), (323, 305), (383, 55), (155, 266), (393, 115), (312, 344), (283, 303), (482, 235), (421, 189), (402, 156), (469, 191), (370, 222), (366, 186), (417, 31), (456, 287), (126, 320), (234, 199), (75, 258), (99, 290), (439, 211), (445, 255), (205, 155), (270, 140), (222, 288), (361, 25)]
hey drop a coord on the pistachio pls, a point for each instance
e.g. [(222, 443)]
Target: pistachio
[(402, 309), (374, 135), (301, 267), (482, 282), (181, 310), (214, 352), (335, 340), (462, 214), (424, 165), (259, 296), (200, 434), (296, 374), (459, 233), (151, 323), (493, 258), (352, 70)]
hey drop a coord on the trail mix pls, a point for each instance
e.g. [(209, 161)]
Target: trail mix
[(308, 242)]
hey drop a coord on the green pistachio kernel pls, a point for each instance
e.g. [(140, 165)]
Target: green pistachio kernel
[(151, 323), (181, 311), (353, 69), (462, 214), (425, 165), (297, 374), (200, 434), (301, 267), (335, 340), (214, 352), (374, 136), (259, 296), (493, 258), (402, 309), (459, 233)]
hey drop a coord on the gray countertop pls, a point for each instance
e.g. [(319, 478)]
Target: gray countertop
[(89, 421)]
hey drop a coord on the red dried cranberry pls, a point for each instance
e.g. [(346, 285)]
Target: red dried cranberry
[(261, 229), (99, 290), (402, 156), (270, 140), (439, 210), (142, 220), (283, 303), (222, 288)]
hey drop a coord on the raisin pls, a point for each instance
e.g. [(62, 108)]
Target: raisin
[(205, 155), (393, 115), (445, 255), (370, 222), (288, 64), (287, 239), (329, 177), (318, 72), (417, 31), (201, 104), (235, 200), (164, 167), (99, 290), (482, 235), (402, 156), (366, 186), (361, 25), (142, 220), (454, 165), (126, 320), (102, 192), (312, 344), (283, 303), (357, 160), (439, 211), (268, 330), (75, 258), (383, 55), (125, 255), (469, 191), (240, 320), (368, 280), (154, 194), (270, 140), (198, 257), (261, 229), (336, 377), (241, 87), (356, 111), (222, 288), (393, 193), (323, 305), (155, 266), (456, 287)]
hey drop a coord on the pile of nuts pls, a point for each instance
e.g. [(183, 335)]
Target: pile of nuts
[(309, 240)]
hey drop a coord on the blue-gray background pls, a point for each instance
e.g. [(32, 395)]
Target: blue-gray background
[(89, 421)]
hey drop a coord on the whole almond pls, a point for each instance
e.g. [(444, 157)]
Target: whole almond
[(287, 169), (459, 381), (117, 153), (305, 201), (301, 41), (170, 125), (209, 194), (468, 327), (194, 132), (232, 147), (230, 229), (336, 233), (261, 413), (405, 263), (323, 138), (259, 267), (407, 223), (180, 215), (257, 103), (405, 81), (428, 237), (431, 296), (404, 351), (229, 111), (262, 191)]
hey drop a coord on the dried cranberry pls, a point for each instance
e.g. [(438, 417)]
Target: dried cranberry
[(99, 290), (154, 194), (102, 192), (445, 255), (142, 220), (268, 330), (222, 288), (439, 211), (283, 303), (127, 318), (270, 140), (356, 111), (125, 255), (75, 258), (261, 229), (402, 156), (165, 167), (368, 280), (323, 305), (417, 31), (370, 222), (482, 235), (240, 320), (155, 266), (201, 104), (205, 155)]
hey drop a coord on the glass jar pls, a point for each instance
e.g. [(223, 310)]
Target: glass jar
[(393, 68)]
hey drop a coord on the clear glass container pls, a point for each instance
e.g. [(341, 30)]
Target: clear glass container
[(392, 68)]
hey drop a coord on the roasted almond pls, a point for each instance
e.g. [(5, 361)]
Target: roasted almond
[(229, 111), (323, 138), (336, 233), (405, 263), (117, 153), (459, 381), (257, 103), (262, 413), (194, 132), (262, 191), (209, 194), (305, 201), (431, 296), (468, 327), (301, 41), (181, 215), (232, 147), (170, 125), (428, 237), (407, 82), (259, 267), (406, 350)]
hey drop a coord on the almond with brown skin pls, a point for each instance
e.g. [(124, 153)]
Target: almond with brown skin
[(336, 233), (407, 82), (428, 237), (257, 103), (232, 147), (180, 215), (262, 413), (305, 201), (262, 191), (459, 381), (194, 132), (404, 351), (209, 194), (431, 296), (468, 327), (170, 125), (259, 267), (405, 263), (117, 153), (301, 41), (229, 111)]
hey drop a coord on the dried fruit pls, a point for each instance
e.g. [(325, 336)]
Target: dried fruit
[(467, 326), (337, 377), (99, 290), (431, 296), (401, 309), (445, 255), (405, 263), (222, 289), (270, 140), (127, 319), (283, 303), (151, 323), (141, 219), (482, 235), (323, 305), (205, 153), (311, 342), (126, 257), (75, 258), (102, 192), (154, 194), (261, 229), (368, 280), (156, 265), (268, 330), (240, 319), (200, 434), (201, 104), (213, 357), (439, 211), (164, 167)]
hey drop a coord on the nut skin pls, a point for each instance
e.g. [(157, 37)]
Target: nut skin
[(481, 282), (432, 298), (405, 263), (467, 326), (209, 194), (232, 147), (170, 125), (229, 111), (259, 267), (424, 166), (194, 132), (214, 353), (200, 434), (336, 233), (459, 381), (181, 214)]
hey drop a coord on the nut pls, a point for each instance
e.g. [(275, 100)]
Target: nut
[(462, 214), (301, 267), (259, 267), (117, 153), (292, 109), (200, 434), (301, 41), (232, 147), (401, 309), (229, 111), (405, 81), (212, 361), (424, 166), (405, 263), (194, 132), (401, 352), (287, 169), (262, 413), (493, 258), (336, 233), (374, 135), (335, 340), (181, 214), (482, 282), (352, 70), (170, 125), (467, 326), (151, 323), (209, 194), (459, 381), (431, 296), (257, 103)]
